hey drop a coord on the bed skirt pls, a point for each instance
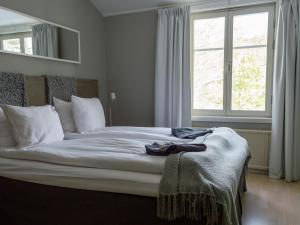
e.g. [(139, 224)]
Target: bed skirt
[(24, 203)]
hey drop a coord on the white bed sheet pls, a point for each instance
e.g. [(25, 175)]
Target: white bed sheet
[(135, 183)]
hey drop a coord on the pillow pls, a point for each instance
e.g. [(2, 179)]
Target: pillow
[(64, 110), (6, 135), (88, 114), (34, 125)]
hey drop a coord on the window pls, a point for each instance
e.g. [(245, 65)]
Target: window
[(12, 45), (28, 45), (18, 43), (232, 54)]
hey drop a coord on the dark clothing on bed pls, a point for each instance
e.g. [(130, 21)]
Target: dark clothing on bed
[(171, 148), (190, 133)]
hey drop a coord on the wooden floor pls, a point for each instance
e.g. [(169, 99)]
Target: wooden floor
[(271, 202)]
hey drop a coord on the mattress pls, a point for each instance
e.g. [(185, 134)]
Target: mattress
[(105, 180)]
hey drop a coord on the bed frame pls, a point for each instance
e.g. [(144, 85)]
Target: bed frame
[(25, 203)]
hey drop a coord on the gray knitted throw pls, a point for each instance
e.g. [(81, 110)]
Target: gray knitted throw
[(12, 89), (61, 87), (203, 186)]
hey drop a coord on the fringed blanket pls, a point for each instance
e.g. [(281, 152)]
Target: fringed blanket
[(204, 185), (12, 89), (61, 87)]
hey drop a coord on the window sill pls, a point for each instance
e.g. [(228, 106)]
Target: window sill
[(231, 119)]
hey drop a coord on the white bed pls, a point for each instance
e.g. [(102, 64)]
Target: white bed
[(110, 160), (113, 163)]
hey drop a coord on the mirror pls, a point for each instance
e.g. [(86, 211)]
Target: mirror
[(25, 35)]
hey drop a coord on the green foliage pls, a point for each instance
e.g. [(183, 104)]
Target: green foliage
[(248, 82)]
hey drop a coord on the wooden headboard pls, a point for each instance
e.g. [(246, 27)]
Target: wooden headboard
[(36, 89)]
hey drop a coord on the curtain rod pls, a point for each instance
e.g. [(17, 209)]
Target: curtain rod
[(215, 3), (196, 5)]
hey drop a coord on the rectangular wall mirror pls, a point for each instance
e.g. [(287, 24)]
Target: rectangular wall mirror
[(29, 36)]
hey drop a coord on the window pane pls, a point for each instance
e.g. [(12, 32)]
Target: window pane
[(209, 33), (249, 79), (250, 29), (28, 45), (208, 79), (12, 45)]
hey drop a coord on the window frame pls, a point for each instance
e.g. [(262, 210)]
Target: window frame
[(228, 56), (206, 112)]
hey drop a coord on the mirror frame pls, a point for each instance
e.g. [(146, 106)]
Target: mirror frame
[(45, 57)]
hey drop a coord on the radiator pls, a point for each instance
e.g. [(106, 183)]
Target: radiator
[(260, 145)]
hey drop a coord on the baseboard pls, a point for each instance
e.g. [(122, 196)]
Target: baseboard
[(258, 171)]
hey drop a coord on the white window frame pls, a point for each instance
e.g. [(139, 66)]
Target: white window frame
[(228, 54), (20, 36)]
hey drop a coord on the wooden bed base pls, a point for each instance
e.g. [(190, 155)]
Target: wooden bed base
[(24, 203)]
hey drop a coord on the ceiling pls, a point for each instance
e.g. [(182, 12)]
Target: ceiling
[(114, 7)]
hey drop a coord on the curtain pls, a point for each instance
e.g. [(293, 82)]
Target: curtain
[(45, 40), (285, 150), (172, 73)]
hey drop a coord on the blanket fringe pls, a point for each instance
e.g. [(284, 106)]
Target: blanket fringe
[(191, 206)]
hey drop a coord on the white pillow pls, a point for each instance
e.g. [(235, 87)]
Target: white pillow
[(65, 113), (34, 125), (88, 114), (6, 135)]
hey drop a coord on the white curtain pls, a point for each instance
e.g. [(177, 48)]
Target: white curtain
[(172, 74), (285, 152), (45, 40)]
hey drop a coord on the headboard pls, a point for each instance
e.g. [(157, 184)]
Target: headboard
[(36, 89)]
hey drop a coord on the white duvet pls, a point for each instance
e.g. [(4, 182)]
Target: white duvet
[(115, 148)]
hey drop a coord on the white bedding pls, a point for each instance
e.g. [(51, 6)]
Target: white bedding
[(115, 181), (158, 133), (111, 159), (117, 148)]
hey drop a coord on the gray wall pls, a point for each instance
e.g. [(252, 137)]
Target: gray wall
[(77, 14), (130, 43)]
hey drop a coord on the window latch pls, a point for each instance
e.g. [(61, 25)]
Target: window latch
[(229, 66)]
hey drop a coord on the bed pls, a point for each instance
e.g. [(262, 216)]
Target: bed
[(103, 177)]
